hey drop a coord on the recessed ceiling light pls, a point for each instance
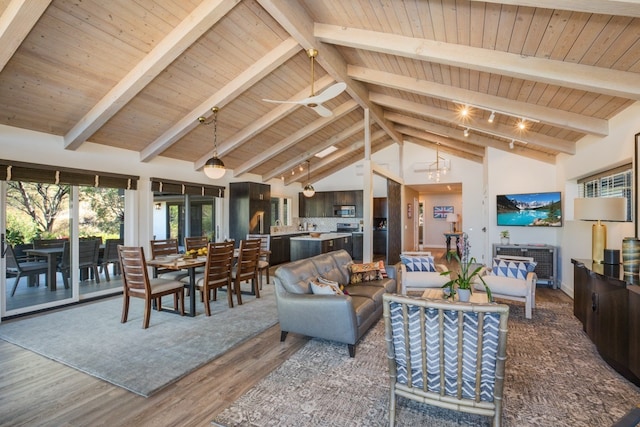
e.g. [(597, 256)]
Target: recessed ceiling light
[(326, 151)]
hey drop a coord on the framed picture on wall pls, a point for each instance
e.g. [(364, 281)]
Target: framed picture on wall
[(442, 211), (409, 210)]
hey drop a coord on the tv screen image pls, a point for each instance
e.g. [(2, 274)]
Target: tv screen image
[(530, 209)]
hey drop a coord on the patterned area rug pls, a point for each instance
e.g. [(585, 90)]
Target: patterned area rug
[(91, 339), (554, 377)]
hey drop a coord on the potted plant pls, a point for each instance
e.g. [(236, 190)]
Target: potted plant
[(468, 271), (504, 237)]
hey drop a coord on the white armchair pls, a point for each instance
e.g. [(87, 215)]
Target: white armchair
[(421, 280), (522, 287)]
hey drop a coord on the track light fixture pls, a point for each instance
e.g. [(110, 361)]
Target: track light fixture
[(492, 117), (522, 125), (213, 168), (466, 132), (465, 107), (511, 144)]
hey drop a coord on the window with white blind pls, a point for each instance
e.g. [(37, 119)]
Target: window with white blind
[(616, 182)]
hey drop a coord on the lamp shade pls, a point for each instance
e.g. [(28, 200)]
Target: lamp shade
[(600, 208), (452, 217), (308, 191)]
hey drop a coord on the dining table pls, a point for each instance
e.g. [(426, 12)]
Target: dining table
[(51, 254), (181, 263)]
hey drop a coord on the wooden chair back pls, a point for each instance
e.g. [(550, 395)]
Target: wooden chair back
[(265, 245), (217, 273), (195, 242), (247, 266), (164, 247), (134, 269), (446, 354)]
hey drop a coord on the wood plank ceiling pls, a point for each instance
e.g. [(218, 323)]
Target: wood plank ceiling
[(137, 74)]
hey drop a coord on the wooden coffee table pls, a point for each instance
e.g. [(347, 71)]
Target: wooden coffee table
[(437, 293)]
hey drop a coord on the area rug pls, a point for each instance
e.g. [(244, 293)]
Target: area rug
[(554, 377), (91, 339)]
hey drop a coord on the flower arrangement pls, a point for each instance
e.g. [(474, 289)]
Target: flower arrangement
[(469, 270)]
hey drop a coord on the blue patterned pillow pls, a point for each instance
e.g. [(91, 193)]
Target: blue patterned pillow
[(515, 269), (418, 263)]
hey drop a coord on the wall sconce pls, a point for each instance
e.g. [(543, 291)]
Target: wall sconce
[(158, 206)]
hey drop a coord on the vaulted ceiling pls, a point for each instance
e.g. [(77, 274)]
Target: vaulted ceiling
[(137, 74)]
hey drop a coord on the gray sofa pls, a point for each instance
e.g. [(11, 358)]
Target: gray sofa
[(342, 318)]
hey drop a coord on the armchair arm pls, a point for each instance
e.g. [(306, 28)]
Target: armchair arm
[(330, 317)]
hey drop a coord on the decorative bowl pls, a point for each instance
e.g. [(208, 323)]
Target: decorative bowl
[(315, 234)]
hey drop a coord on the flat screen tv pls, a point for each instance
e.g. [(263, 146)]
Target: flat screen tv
[(530, 209)]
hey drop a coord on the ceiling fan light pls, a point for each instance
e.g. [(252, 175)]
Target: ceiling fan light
[(214, 168), (308, 191)]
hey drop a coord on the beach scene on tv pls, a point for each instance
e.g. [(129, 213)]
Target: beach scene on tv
[(530, 210)]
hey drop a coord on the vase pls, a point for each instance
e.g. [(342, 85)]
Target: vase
[(631, 255), (504, 240), (464, 295)]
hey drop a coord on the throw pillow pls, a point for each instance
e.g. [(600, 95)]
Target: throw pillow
[(382, 269), (418, 263), (514, 269), (320, 288), (364, 272)]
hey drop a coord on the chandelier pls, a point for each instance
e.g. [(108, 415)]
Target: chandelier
[(213, 168), (440, 167)]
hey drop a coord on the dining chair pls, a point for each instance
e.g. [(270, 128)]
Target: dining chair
[(265, 252), (110, 256), (88, 251), (162, 248), (217, 273), (25, 268), (137, 284), (247, 267), (198, 242)]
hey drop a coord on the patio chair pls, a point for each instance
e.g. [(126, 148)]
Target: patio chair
[(247, 267), (446, 354), (88, 252), (265, 252), (137, 284), (29, 269), (110, 256)]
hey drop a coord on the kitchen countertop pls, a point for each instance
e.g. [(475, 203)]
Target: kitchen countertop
[(289, 233), (323, 236)]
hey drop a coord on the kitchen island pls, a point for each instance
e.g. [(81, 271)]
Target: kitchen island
[(307, 246)]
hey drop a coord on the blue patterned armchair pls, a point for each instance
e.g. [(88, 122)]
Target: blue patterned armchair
[(446, 354)]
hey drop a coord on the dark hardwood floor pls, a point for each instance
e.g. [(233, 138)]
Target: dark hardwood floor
[(35, 391)]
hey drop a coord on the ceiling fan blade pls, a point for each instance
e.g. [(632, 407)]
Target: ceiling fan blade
[(275, 101), (321, 110), (329, 93)]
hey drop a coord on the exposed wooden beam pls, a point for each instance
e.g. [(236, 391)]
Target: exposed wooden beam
[(444, 149), (296, 21), (265, 65), (296, 137), (459, 146), (605, 7), (501, 131), (336, 139), (161, 56), (16, 22), (552, 116), (566, 74), (263, 123)]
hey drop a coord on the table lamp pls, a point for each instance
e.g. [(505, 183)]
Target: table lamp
[(452, 218), (600, 209)]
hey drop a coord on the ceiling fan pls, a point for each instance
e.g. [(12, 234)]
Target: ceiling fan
[(315, 101)]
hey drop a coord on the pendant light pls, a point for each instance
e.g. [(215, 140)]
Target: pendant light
[(308, 191), (213, 168)]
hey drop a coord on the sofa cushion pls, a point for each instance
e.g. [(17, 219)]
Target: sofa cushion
[(514, 269), (373, 292), (424, 279), (364, 272), (328, 268), (418, 263), (296, 275), (325, 287), (343, 261), (388, 284), (364, 308), (504, 285)]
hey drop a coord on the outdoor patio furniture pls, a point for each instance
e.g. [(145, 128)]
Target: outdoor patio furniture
[(110, 256), (24, 268)]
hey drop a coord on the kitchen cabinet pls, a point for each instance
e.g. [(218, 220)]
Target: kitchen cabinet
[(380, 207), (358, 246), (608, 308), (322, 204), (306, 247), (344, 198), (249, 209), (379, 242), (280, 249), (345, 243)]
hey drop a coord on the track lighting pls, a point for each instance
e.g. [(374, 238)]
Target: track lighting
[(466, 132), (492, 117), (522, 125), (511, 144), (464, 112)]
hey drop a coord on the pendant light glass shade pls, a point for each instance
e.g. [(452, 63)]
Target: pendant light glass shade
[(213, 168), (308, 191)]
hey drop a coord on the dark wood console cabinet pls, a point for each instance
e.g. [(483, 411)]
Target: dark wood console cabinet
[(609, 309)]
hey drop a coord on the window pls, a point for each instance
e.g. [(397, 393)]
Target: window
[(616, 182), (280, 211)]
